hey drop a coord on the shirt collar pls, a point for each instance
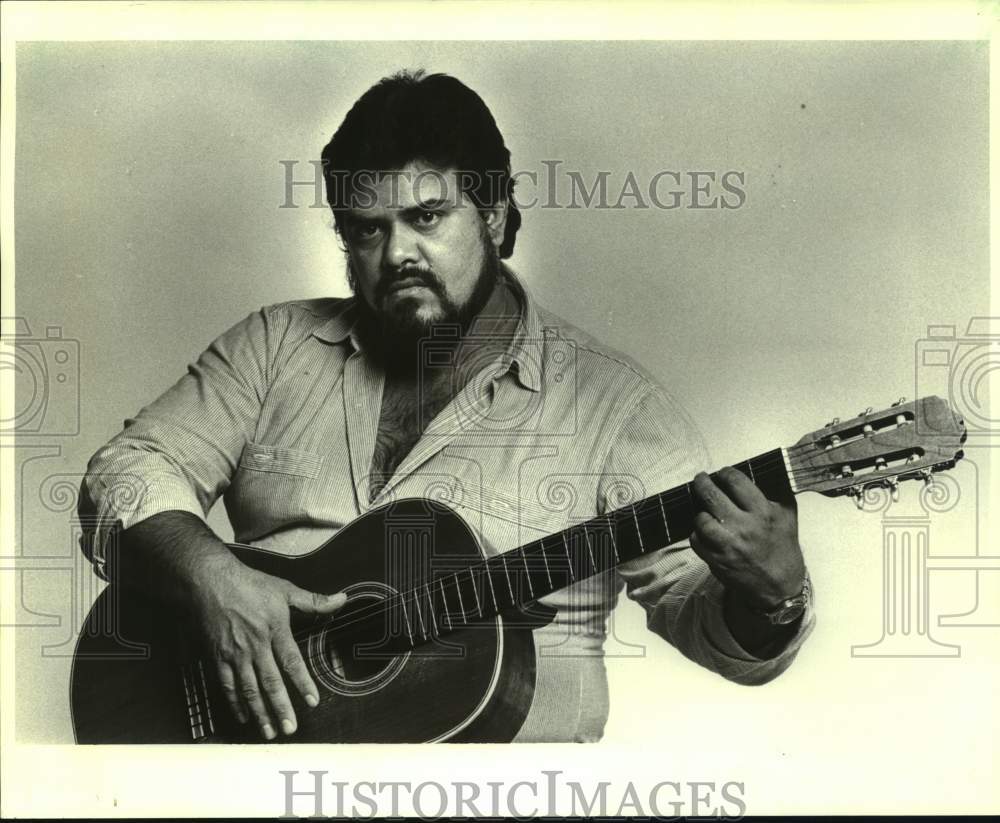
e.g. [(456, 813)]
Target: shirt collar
[(523, 355), (341, 326), (527, 346)]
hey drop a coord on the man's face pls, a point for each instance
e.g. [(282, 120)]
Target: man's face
[(419, 253)]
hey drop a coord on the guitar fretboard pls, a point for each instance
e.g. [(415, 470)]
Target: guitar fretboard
[(507, 583)]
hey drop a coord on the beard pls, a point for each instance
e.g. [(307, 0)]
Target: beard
[(393, 331)]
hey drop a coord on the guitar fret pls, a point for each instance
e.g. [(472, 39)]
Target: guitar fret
[(750, 467), (420, 617), (475, 594), (458, 588), (493, 591), (444, 599), (666, 525), (545, 560), (430, 608), (590, 549), (506, 573), (638, 530), (406, 618), (527, 574), (569, 560)]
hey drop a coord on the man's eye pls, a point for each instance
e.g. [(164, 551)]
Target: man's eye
[(365, 231), (428, 218)]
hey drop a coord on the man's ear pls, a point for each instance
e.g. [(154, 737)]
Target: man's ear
[(495, 218)]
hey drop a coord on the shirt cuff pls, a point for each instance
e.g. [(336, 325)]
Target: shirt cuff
[(122, 503), (735, 662)]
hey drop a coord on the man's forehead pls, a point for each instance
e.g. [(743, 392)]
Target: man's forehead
[(414, 186)]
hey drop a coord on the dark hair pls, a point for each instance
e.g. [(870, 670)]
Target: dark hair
[(434, 118)]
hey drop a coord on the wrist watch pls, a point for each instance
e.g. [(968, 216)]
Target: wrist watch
[(789, 610)]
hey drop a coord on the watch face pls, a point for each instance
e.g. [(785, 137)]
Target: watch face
[(789, 614)]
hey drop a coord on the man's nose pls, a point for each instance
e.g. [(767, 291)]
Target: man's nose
[(401, 247)]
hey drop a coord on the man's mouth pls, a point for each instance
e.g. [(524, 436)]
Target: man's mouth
[(407, 284)]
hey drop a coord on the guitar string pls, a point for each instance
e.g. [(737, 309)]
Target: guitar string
[(653, 507), (645, 509), (679, 494), (651, 510), (648, 508)]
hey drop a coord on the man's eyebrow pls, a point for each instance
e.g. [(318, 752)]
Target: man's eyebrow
[(431, 204), (353, 216)]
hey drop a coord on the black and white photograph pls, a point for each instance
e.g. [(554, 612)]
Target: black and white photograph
[(601, 393)]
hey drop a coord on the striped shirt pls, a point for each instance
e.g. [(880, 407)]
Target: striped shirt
[(279, 417)]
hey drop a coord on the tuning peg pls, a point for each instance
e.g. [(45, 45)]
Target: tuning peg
[(866, 412), (858, 495), (892, 484), (928, 476), (899, 402), (833, 422)]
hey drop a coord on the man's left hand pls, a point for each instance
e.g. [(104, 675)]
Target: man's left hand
[(750, 543)]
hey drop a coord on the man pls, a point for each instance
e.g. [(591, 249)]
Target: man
[(310, 413)]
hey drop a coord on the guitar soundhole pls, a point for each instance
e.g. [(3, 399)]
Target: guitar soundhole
[(355, 667)]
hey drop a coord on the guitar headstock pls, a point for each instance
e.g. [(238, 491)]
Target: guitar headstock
[(903, 442)]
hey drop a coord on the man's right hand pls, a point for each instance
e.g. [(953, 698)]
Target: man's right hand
[(246, 618), (245, 614)]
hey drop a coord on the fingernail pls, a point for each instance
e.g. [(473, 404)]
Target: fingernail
[(287, 726), (241, 717), (268, 731), (312, 700), (338, 599)]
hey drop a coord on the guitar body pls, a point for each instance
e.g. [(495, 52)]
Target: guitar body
[(137, 677)]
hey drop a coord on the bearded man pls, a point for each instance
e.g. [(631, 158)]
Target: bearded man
[(441, 377)]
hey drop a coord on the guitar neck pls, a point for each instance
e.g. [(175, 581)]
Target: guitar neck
[(509, 581)]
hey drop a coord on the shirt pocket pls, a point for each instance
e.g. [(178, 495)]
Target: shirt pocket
[(280, 460), (275, 486)]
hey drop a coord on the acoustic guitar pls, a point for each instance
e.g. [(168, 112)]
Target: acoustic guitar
[(435, 641)]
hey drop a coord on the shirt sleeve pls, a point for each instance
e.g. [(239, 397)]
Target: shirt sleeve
[(180, 452), (658, 448)]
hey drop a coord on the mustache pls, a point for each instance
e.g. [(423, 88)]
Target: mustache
[(426, 277)]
